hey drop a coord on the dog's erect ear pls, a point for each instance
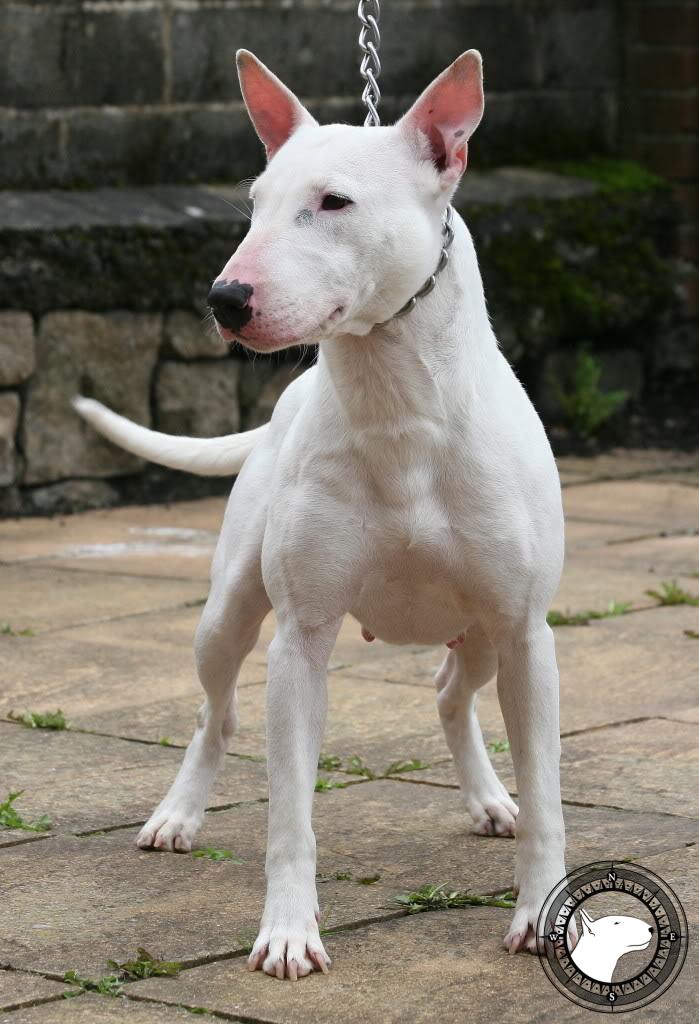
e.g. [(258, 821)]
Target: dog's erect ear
[(274, 110), (586, 922), (448, 113)]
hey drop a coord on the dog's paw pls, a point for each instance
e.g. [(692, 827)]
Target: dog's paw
[(169, 830), (285, 951), (494, 813)]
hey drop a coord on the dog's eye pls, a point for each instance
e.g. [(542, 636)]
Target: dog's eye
[(617, 922), (333, 202)]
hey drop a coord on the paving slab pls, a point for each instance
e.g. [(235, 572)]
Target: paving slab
[(94, 1009), (645, 766), (18, 989), (652, 506), (175, 542), (40, 599), (629, 666), (104, 673), (94, 782), (189, 909), (445, 966), (626, 463)]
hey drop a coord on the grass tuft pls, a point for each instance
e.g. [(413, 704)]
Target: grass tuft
[(438, 897), (671, 593), (401, 767), (11, 818), (498, 746), (146, 966), (693, 634), (614, 608), (217, 855), (7, 630), (41, 719), (109, 985), (323, 785)]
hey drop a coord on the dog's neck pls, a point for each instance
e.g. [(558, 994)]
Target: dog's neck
[(404, 370), (593, 961)]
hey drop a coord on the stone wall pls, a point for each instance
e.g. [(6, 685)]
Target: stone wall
[(105, 92), (568, 261)]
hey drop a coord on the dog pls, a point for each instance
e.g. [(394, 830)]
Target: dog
[(405, 479), (604, 941)]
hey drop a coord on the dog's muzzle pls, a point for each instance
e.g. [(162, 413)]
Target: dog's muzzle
[(230, 303)]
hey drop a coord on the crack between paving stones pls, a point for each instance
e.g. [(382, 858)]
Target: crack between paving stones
[(19, 841), (27, 1004), (39, 563), (219, 1014), (134, 824), (565, 802), (179, 606), (640, 474)]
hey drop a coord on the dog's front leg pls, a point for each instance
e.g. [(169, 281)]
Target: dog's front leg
[(288, 944), (528, 692)]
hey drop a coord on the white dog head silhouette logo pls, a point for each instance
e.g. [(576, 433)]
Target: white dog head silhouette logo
[(604, 941)]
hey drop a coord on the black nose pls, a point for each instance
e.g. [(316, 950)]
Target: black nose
[(229, 302), (650, 929)]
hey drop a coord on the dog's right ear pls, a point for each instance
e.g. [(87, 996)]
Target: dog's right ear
[(447, 114), (274, 110), (586, 922)]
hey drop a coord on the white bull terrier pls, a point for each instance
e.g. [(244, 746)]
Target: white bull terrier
[(405, 479), (603, 942)]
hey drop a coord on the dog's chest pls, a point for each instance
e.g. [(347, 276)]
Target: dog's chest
[(413, 588)]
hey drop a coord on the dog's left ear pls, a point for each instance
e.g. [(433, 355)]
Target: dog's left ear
[(448, 113), (274, 110)]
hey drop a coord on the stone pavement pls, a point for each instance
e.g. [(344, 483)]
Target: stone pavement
[(97, 613)]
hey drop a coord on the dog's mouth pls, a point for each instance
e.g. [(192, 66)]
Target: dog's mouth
[(261, 343), (641, 945)]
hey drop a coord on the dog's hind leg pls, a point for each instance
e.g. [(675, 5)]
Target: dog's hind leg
[(464, 671), (227, 632)]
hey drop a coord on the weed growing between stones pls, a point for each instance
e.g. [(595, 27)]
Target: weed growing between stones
[(585, 406), (11, 818), (41, 719), (7, 630), (614, 608), (438, 897), (217, 855), (671, 593)]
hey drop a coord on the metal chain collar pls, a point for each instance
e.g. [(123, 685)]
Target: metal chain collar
[(369, 12)]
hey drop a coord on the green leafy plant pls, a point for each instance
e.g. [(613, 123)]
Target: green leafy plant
[(323, 785), (693, 634), (671, 593), (498, 746), (438, 897), (11, 818), (41, 719), (329, 762), (355, 766), (401, 767), (7, 630), (217, 855), (614, 608), (585, 406), (146, 966), (367, 879), (165, 742), (109, 985)]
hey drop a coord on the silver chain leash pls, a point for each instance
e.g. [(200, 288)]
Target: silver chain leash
[(369, 13)]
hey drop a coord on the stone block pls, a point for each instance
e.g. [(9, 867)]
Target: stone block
[(17, 356), (198, 400), (192, 337), (9, 416), (82, 52), (108, 357), (31, 153), (71, 496)]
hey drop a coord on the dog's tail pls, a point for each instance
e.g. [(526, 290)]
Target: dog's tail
[(209, 456)]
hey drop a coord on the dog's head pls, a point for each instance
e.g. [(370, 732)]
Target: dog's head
[(615, 934), (347, 221)]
